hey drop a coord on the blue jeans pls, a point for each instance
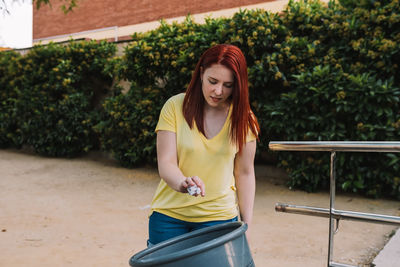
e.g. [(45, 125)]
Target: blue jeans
[(163, 227)]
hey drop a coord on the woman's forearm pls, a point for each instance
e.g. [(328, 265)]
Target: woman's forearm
[(246, 186), (245, 181), (168, 168), (172, 175), (167, 160)]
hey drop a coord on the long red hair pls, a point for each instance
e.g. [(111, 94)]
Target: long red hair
[(242, 118)]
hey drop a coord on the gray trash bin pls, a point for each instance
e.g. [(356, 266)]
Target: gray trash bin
[(222, 245)]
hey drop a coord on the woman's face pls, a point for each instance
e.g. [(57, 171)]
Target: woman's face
[(217, 85)]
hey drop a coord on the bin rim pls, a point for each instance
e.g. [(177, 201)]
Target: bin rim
[(241, 228)]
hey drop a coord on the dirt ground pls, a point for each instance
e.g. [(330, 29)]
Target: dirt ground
[(91, 212)]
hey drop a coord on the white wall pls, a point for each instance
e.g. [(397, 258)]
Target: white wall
[(16, 27)]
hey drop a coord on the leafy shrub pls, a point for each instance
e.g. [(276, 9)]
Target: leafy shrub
[(126, 129), (61, 88), (348, 92), (166, 56), (325, 104), (9, 96)]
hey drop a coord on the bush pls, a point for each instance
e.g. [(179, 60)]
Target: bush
[(166, 56), (10, 133), (348, 92), (61, 88), (328, 104), (127, 126)]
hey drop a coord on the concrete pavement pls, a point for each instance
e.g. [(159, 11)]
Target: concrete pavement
[(389, 256)]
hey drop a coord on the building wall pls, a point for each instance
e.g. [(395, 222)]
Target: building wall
[(109, 14)]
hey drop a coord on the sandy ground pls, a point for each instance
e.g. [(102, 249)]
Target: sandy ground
[(91, 212)]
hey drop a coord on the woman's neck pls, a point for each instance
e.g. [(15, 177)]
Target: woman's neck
[(214, 120)]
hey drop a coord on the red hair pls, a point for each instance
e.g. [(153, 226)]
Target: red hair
[(242, 118)]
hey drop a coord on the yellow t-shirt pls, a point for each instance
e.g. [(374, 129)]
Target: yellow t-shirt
[(210, 159)]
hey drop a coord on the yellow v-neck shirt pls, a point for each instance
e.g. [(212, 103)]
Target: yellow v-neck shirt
[(210, 159)]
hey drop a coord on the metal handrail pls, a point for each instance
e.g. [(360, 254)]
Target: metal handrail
[(332, 213), (343, 146), (338, 214)]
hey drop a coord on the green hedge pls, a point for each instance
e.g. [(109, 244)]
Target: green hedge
[(58, 89), (329, 104), (349, 91), (9, 96), (127, 124), (317, 72)]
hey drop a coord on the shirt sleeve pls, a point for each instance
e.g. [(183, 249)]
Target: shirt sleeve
[(250, 136), (167, 119)]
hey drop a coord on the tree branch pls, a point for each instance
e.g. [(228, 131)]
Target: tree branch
[(67, 7)]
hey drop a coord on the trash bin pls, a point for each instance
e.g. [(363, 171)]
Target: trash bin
[(222, 245)]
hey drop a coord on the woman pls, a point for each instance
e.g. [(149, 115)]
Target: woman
[(206, 137)]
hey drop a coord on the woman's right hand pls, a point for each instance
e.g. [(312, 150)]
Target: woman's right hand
[(193, 181), (168, 169)]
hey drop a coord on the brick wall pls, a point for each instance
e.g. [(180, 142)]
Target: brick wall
[(97, 14)]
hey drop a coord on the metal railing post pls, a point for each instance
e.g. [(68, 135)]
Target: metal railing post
[(331, 206), (332, 213)]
